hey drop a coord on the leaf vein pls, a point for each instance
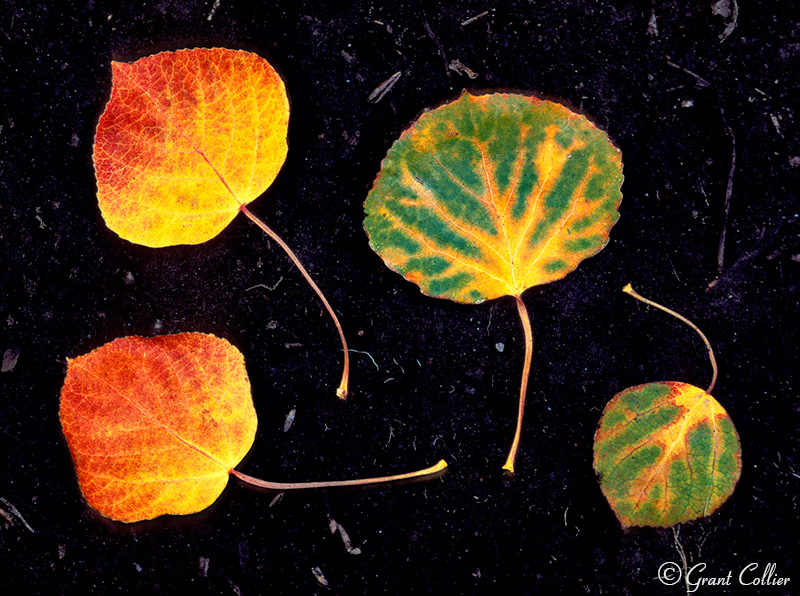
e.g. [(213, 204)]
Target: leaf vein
[(438, 250)]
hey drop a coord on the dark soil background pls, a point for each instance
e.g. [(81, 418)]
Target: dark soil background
[(428, 380)]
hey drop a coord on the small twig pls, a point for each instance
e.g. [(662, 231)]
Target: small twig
[(381, 90), (287, 424), (475, 18), (438, 45), (700, 80), (348, 545), (391, 435), (319, 576), (213, 10), (204, 564), (671, 264), (776, 124), (728, 193), (17, 514), (461, 68), (652, 24), (234, 587)]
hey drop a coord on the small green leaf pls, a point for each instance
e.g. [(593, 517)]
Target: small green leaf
[(666, 453)]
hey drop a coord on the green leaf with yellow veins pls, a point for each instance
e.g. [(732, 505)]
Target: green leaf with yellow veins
[(666, 452), (490, 195)]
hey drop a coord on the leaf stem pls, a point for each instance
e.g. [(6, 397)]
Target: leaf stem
[(629, 290), (427, 473), (523, 390), (342, 390)]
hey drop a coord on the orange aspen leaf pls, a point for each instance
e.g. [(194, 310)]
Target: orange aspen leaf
[(666, 452), (156, 426), (490, 195), (186, 141)]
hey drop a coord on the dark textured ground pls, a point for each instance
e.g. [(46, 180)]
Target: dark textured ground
[(438, 388)]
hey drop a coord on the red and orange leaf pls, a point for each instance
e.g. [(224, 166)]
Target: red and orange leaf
[(492, 194), (155, 425), (186, 140), (666, 453)]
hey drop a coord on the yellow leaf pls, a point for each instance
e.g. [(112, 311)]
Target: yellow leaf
[(186, 140)]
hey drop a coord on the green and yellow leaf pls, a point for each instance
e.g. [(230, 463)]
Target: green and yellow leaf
[(492, 194), (666, 453)]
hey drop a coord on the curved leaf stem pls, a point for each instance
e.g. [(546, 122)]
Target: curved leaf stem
[(343, 385), (629, 290), (427, 474), (523, 390)]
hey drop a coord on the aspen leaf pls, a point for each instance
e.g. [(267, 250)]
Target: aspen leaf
[(156, 425), (666, 452), (490, 195), (187, 140)]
